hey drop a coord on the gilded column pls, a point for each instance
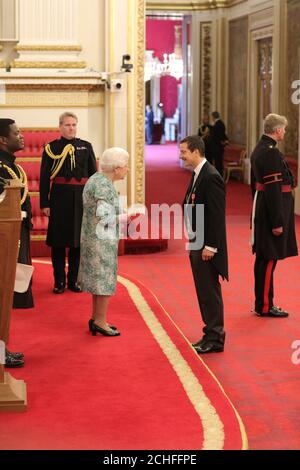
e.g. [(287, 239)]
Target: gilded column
[(205, 69), (136, 100), (222, 34)]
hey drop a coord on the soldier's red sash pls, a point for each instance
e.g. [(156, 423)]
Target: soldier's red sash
[(285, 188), (62, 180)]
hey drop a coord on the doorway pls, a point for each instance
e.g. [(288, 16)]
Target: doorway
[(167, 77)]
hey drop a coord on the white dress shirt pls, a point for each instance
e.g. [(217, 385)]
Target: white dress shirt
[(197, 172)]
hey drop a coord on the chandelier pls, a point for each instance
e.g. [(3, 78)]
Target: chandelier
[(172, 64)]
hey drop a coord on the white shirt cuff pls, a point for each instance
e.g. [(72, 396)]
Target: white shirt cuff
[(209, 248)]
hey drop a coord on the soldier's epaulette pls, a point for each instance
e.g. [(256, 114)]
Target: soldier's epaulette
[(271, 148), (56, 141)]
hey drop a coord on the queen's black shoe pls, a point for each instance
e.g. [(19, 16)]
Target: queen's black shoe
[(97, 329), (91, 321)]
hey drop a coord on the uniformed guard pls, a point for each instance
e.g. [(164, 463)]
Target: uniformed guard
[(11, 140), (273, 222), (67, 163)]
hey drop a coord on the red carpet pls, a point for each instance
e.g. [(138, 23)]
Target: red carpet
[(255, 369), (146, 389)]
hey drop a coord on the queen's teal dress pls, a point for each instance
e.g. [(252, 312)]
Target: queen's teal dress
[(99, 237)]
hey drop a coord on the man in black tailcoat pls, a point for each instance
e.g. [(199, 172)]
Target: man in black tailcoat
[(273, 223), (207, 236), (67, 163)]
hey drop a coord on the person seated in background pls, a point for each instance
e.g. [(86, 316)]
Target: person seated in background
[(100, 237), (205, 131), (11, 140)]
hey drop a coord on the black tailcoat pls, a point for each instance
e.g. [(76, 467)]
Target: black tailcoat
[(218, 132), (209, 190)]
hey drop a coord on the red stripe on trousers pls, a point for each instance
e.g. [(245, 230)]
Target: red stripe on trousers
[(266, 306)]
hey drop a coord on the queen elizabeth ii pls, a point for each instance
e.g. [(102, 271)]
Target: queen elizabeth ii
[(100, 237)]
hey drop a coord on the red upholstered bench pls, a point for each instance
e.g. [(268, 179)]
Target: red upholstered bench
[(35, 140)]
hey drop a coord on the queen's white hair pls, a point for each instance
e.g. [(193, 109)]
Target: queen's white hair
[(114, 157)]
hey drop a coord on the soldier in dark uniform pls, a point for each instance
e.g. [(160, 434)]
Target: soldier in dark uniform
[(273, 223), (10, 142), (67, 163)]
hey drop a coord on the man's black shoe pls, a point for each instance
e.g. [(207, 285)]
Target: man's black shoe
[(74, 287), (11, 361), (59, 288), (276, 312), (199, 343), (16, 355), (208, 348)]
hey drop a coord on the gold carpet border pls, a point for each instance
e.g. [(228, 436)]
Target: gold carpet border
[(213, 429), (244, 436)]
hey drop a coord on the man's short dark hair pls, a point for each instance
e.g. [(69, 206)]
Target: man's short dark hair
[(5, 126), (194, 142), (215, 114)]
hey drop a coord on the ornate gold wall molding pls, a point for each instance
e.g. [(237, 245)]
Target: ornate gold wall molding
[(96, 98), (262, 33), (205, 68), (49, 65), (231, 3), (86, 87), (140, 104), (193, 6), (52, 99), (35, 47)]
